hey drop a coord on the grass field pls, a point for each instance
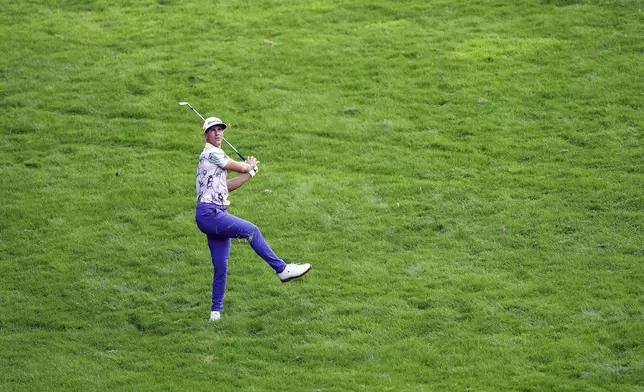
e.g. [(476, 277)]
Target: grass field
[(466, 178)]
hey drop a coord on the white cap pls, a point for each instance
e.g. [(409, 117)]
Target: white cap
[(212, 121)]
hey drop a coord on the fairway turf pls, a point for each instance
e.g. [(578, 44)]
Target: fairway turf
[(465, 178)]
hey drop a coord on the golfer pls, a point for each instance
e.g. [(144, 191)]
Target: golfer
[(219, 226)]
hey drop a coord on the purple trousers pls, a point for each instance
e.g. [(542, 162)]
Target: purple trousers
[(219, 226)]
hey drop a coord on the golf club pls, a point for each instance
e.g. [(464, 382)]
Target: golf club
[(230, 145)]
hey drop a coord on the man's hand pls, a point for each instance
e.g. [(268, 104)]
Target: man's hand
[(254, 171), (252, 161)]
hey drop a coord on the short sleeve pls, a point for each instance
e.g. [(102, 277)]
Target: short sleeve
[(217, 157)]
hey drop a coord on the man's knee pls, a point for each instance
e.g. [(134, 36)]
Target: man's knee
[(221, 268), (252, 232)]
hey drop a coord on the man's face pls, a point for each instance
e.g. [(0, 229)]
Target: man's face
[(215, 135)]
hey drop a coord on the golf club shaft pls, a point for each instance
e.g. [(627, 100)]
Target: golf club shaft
[(234, 149), (227, 142)]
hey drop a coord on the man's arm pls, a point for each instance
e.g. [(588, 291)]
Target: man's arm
[(238, 181), (239, 167), (248, 170)]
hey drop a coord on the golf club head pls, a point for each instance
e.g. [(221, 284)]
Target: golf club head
[(183, 103), (195, 110)]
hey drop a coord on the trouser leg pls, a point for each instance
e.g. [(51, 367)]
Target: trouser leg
[(231, 226), (219, 251)]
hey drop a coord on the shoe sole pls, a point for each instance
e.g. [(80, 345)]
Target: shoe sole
[(296, 277)]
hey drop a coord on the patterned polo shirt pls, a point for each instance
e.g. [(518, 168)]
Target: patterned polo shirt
[(211, 176)]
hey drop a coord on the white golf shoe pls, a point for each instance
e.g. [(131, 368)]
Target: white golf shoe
[(214, 316), (293, 271)]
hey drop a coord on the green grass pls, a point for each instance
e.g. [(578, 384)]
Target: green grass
[(465, 177)]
